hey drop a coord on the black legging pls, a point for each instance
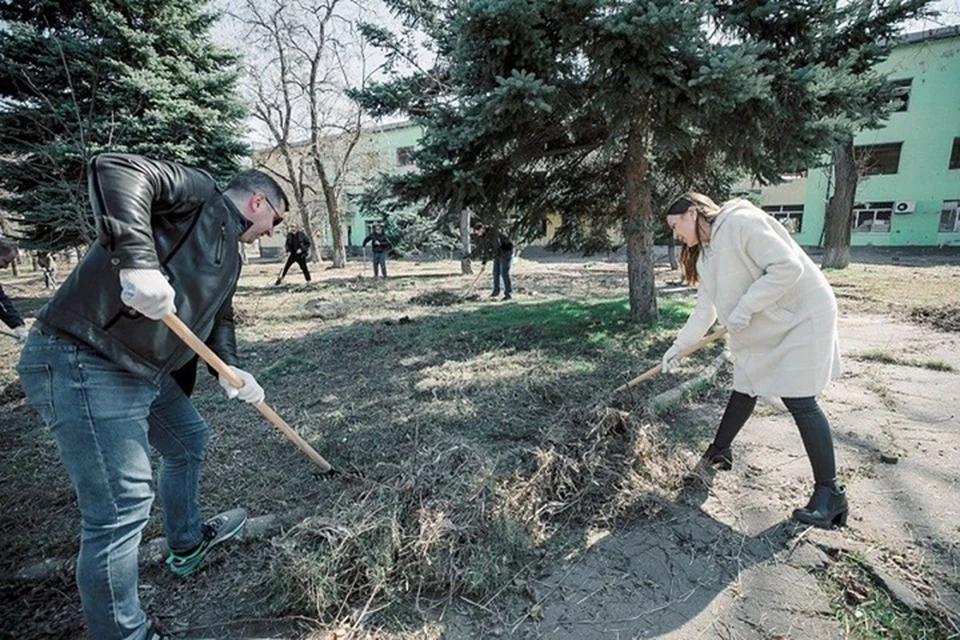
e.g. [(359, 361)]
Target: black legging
[(811, 421)]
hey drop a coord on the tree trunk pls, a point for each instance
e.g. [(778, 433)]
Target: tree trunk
[(466, 266), (672, 255), (338, 245), (639, 230), (836, 244)]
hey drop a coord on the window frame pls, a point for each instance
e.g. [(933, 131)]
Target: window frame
[(405, 156), (902, 88), (865, 156), (954, 212), (884, 209), (783, 213), (954, 162)]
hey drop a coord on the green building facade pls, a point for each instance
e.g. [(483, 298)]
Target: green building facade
[(392, 148), (909, 193)]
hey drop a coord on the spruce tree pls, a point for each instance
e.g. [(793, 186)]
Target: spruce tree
[(84, 77), (589, 108)]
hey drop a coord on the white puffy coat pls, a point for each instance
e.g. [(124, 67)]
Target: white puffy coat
[(790, 348)]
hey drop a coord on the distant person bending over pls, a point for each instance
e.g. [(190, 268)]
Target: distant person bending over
[(492, 244), (782, 318), (48, 264), (8, 313), (381, 245), (111, 381), (298, 250)]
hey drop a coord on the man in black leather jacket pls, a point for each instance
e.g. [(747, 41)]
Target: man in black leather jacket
[(298, 250), (111, 381)]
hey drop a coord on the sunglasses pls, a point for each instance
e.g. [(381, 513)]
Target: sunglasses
[(277, 218), (680, 206)]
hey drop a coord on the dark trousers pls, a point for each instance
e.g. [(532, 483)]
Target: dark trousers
[(301, 260), (379, 263), (501, 269), (811, 422)]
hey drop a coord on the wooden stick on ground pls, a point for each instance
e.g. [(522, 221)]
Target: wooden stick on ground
[(646, 375), (178, 327)]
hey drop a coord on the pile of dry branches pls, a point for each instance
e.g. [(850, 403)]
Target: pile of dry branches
[(448, 522)]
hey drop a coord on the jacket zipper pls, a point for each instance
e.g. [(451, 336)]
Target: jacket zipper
[(221, 243)]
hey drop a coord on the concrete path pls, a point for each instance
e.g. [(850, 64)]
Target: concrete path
[(724, 562)]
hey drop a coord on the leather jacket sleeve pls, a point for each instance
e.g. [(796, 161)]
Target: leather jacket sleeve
[(223, 338), (126, 191), (8, 313)]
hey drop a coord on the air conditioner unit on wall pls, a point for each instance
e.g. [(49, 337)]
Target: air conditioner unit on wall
[(904, 206)]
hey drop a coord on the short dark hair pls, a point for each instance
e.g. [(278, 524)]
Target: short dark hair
[(479, 225), (256, 181), (8, 247)]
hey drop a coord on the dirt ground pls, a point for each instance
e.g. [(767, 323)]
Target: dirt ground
[(371, 378)]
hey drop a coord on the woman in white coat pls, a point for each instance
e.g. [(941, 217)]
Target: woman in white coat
[(782, 319)]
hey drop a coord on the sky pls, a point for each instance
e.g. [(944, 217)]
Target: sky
[(231, 38)]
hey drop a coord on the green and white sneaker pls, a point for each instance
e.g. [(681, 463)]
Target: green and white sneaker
[(215, 530)]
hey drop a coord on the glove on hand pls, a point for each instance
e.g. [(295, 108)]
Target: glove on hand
[(147, 291), (670, 360), (250, 391), (738, 320), (21, 332)]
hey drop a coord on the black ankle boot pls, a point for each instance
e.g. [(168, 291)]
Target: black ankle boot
[(827, 508), (716, 458)]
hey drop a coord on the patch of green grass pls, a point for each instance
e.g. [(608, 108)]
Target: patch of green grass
[(285, 366), (869, 612), (885, 358), (600, 324)]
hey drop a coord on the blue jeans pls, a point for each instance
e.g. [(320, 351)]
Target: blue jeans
[(104, 419), (501, 269), (379, 262)]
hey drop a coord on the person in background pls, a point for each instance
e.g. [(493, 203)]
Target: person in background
[(381, 245), (298, 250), (48, 265), (782, 317), (8, 313), (492, 244), (111, 381)]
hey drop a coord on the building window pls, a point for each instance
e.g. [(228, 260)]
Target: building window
[(955, 154), (877, 159), (404, 156), (949, 218), (872, 217), (901, 91), (789, 215)]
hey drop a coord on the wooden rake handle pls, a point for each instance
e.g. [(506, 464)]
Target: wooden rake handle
[(475, 281), (646, 375), (178, 327)]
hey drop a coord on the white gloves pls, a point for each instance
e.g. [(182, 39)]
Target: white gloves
[(738, 320), (21, 332), (670, 360), (250, 391), (147, 291)]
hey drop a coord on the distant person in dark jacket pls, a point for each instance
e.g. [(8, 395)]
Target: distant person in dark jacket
[(298, 250), (492, 244), (380, 244), (8, 313)]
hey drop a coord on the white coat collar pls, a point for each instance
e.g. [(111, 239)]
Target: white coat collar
[(725, 209)]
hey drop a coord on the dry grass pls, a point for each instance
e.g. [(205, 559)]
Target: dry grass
[(471, 438)]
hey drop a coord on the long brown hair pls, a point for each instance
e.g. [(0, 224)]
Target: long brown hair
[(707, 211)]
